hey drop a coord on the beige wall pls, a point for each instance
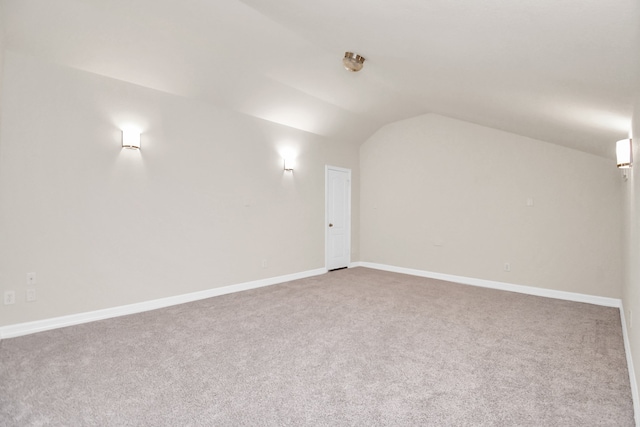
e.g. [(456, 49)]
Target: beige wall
[(206, 200), (450, 197), (631, 288), (2, 44), (200, 206)]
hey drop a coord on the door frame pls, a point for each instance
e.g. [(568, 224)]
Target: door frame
[(326, 213)]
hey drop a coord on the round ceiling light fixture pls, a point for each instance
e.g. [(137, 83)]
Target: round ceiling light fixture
[(352, 61)]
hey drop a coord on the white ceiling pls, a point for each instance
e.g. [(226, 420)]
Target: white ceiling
[(564, 71)]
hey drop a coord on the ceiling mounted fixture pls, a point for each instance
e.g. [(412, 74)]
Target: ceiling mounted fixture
[(352, 61)]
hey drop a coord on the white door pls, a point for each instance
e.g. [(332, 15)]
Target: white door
[(338, 217)]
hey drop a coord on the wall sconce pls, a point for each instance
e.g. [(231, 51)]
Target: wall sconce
[(131, 139), (624, 150), (288, 165)]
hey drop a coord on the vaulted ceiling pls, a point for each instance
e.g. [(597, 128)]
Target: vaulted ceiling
[(561, 71)]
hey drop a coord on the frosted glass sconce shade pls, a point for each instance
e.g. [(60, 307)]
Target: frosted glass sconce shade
[(131, 139), (623, 153), (288, 165)]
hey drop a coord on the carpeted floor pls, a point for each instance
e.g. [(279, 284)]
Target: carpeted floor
[(355, 347)]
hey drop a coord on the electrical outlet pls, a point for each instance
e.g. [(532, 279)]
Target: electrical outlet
[(31, 295), (9, 297), (264, 263), (31, 278), (507, 266)]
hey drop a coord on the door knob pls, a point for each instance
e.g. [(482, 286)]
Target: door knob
[(330, 225)]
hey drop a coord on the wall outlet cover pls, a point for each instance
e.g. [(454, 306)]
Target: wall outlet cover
[(9, 297)]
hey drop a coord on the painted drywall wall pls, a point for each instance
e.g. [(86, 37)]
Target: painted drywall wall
[(631, 253), (200, 206), (448, 196), (2, 44)]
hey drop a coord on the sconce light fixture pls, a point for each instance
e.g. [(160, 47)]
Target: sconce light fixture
[(288, 164), (624, 148), (131, 139)]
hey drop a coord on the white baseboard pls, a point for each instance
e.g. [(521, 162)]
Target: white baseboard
[(549, 293), (529, 290), (632, 371), (19, 329)]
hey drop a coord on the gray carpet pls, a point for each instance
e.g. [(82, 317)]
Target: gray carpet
[(355, 347)]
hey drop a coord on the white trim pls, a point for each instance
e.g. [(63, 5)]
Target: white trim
[(326, 211), (529, 290), (19, 329), (632, 373)]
